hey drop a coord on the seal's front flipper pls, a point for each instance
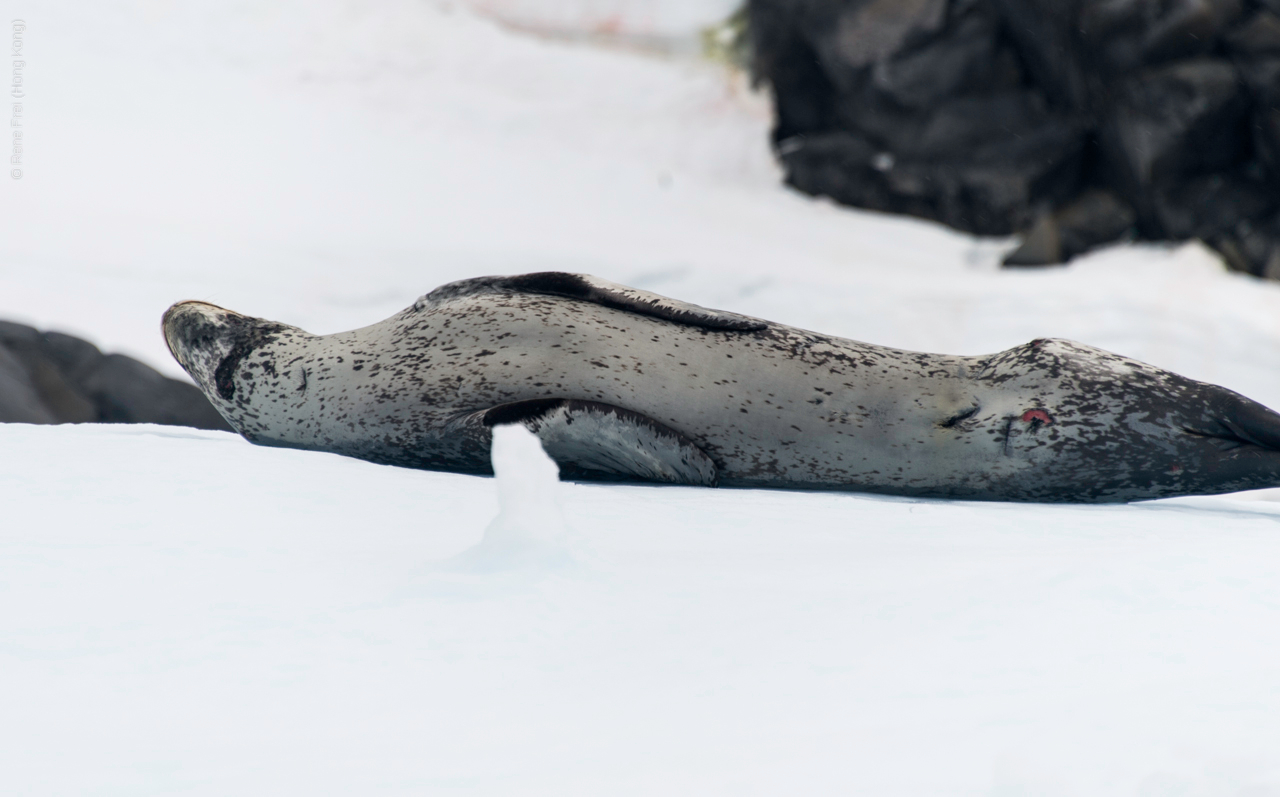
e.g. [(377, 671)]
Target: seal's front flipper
[(597, 291), (593, 440)]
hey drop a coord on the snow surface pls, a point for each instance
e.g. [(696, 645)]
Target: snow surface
[(184, 613), (529, 531), (665, 24)]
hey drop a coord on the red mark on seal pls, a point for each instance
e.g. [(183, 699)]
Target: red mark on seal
[(1036, 415)]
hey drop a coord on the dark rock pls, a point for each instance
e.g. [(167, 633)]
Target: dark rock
[(965, 60), (1253, 249), (1118, 36), (838, 165), (956, 127), (988, 190), (64, 402), (1259, 36), (52, 377), (974, 162), (1044, 32), (75, 357), (59, 396), (1266, 131), (128, 391), (19, 401), (1232, 255), (782, 52), (1042, 245), (1095, 217), (1187, 28), (994, 192), (1209, 205), (1261, 75), (1263, 78), (1111, 31), (867, 31), (1251, 246), (1176, 120), (1271, 270), (1153, 118), (17, 333)]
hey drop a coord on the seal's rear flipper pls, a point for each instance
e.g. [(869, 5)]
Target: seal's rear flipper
[(592, 440), (597, 291), (1237, 420)]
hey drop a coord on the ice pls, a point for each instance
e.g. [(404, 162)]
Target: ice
[(529, 531)]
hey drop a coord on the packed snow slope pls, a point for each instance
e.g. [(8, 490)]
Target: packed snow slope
[(184, 613)]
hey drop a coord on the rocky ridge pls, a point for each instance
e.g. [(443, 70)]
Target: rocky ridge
[(51, 377), (1071, 122)]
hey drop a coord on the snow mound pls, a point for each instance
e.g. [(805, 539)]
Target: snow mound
[(529, 531)]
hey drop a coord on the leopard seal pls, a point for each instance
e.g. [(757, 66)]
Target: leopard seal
[(624, 384)]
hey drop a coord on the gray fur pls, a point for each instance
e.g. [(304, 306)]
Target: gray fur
[(621, 383)]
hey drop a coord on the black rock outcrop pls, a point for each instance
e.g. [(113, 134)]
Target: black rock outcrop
[(50, 377), (1071, 122)]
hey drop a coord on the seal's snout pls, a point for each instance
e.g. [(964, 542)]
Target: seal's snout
[(199, 335)]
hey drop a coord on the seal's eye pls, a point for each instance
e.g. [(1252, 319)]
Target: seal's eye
[(960, 417)]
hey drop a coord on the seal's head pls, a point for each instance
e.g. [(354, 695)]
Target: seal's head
[(201, 336), (225, 352)]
